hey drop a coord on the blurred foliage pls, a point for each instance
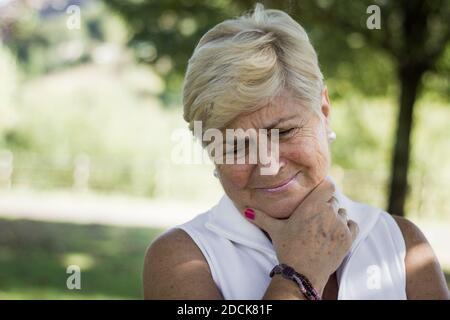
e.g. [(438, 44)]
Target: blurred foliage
[(94, 111), (9, 77), (338, 32), (152, 23), (42, 42)]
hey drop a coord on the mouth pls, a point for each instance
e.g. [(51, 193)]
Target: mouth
[(281, 186)]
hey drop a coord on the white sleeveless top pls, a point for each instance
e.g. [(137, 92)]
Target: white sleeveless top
[(240, 256)]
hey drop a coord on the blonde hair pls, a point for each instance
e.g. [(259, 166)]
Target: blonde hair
[(241, 64)]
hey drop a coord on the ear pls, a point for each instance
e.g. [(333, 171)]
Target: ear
[(325, 108)]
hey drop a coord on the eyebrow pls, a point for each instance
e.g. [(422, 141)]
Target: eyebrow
[(277, 122)]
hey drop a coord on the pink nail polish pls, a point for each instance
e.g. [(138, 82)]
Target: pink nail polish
[(249, 213)]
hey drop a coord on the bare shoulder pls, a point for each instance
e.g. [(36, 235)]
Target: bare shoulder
[(175, 268), (424, 276), (411, 233)]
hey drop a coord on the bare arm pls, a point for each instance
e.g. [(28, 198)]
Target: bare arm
[(424, 276), (175, 268)]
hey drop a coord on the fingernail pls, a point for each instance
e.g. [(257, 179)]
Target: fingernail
[(249, 213)]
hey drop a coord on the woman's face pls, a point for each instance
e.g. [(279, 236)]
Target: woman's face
[(303, 161)]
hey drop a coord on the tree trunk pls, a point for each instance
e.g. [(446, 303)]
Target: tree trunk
[(409, 77)]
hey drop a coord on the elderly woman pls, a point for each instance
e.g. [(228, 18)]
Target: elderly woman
[(290, 234)]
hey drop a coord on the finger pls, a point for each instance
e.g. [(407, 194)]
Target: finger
[(334, 202), (342, 213), (315, 201), (262, 219), (324, 190), (354, 229)]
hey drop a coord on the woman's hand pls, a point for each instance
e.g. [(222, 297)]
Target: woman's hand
[(315, 238)]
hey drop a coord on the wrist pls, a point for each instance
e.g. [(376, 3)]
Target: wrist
[(311, 290), (318, 280), (282, 289)]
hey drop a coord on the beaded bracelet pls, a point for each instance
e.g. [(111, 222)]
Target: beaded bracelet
[(306, 288)]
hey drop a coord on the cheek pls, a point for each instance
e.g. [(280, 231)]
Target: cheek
[(307, 151), (236, 176)]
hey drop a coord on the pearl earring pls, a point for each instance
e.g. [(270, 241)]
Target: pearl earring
[(331, 136), (216, 173)]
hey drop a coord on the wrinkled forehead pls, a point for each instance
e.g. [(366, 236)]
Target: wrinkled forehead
[(281, 110)]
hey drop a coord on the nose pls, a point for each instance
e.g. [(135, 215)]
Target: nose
[(272, 164)]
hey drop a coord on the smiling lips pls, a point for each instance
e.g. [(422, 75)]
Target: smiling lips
[(282, 186)]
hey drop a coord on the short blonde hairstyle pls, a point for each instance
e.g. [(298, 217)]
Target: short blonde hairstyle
[(241, 64)]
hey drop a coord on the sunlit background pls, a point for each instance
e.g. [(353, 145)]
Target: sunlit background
[(90, 96)]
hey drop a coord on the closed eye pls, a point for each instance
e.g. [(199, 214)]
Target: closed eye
[(286, 132)]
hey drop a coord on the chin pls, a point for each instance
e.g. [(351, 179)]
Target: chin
[(281, 209)]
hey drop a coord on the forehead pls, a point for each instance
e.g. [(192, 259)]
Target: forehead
[(281, 109)]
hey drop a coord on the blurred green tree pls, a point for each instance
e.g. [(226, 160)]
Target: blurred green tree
[(8, 86), (412, 42)]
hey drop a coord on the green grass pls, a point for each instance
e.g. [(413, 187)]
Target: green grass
[(34, 257)]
